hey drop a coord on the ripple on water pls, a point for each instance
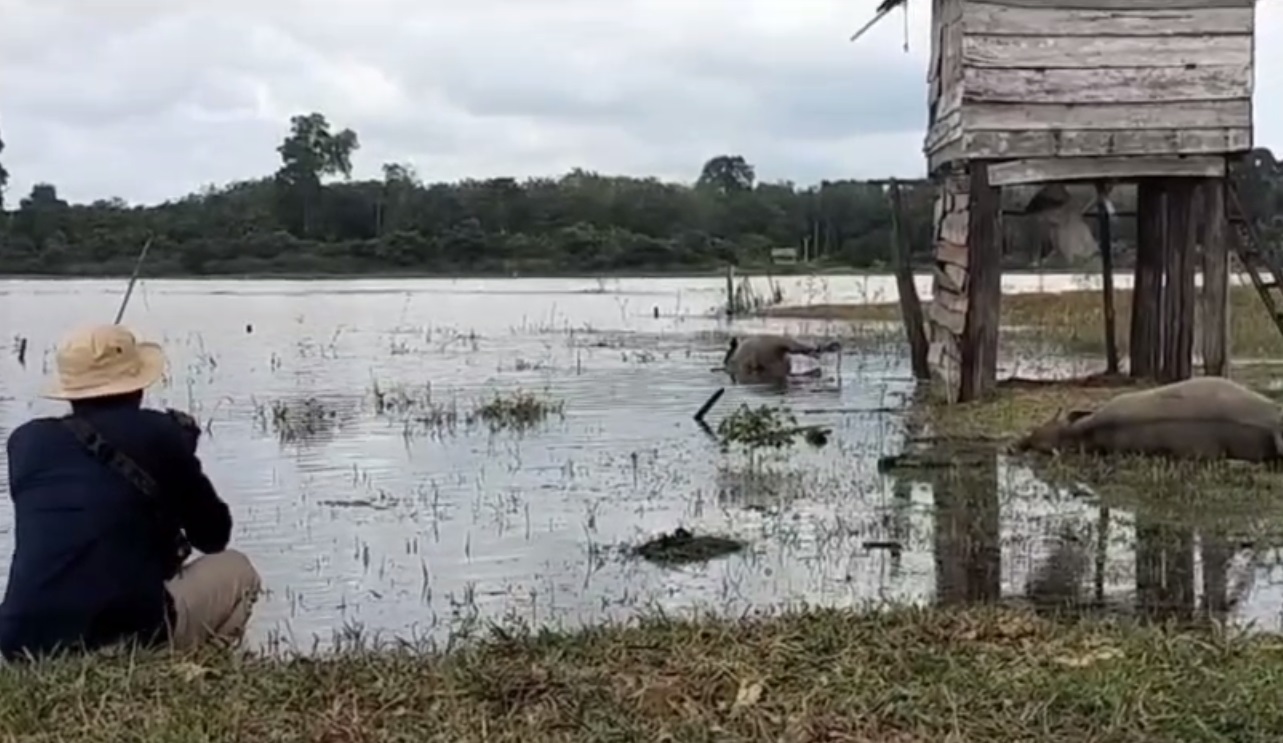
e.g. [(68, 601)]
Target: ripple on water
[(406, 532)]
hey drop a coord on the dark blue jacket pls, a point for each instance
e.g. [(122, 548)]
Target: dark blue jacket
[(91, 553)]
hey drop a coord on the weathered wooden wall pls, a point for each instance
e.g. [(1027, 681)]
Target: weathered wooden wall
[(966, 289), (1016, 79), (944, 80), (947, 313)]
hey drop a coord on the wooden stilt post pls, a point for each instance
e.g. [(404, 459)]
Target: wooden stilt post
[(910, 305), (1145, 343), (1214, 304), (1178, 290), (984, 286), (1104, 224)]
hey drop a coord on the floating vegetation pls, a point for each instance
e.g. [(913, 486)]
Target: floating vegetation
[(765, 428), (400, 399), (419, 411), (381, 501), (518, 410), (681, 547), (292, 420)]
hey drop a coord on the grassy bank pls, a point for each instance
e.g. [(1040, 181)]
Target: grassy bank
[(1012, 411), (1075, 319), (824, 675), (1017, 407)]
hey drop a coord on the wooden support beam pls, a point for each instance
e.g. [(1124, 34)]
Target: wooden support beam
[(1177, 323), (1106, 238), (910, 305), (1146, 345), (1214, 299), (984, 286), (1122, 6), (1042, 170)]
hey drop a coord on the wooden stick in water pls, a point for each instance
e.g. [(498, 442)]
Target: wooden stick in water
[(708, 405), (138, 267)]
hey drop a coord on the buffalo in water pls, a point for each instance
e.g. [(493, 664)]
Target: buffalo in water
[(1200, 418), (765, 358)]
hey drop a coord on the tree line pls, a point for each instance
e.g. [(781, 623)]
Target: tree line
[(311, 217)]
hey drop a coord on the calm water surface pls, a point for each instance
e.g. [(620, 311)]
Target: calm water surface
[(376, 523)]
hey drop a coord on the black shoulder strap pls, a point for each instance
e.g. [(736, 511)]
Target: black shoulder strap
[(102, 450)]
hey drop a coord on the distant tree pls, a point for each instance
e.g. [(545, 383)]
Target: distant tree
[(41, 217), (727, 174), (308, 153), (1260, 180), (4, 175), (399, 185), (582, 221)]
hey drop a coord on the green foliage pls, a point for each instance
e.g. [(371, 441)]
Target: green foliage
[(293, 222), (763, 427), (726, 175), (308, 153)]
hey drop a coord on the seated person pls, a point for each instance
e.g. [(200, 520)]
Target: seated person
[(100, 541)]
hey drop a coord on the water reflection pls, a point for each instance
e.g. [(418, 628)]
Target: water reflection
[(1057, 583), (1164, 570), (366, 515), (1083, 556), (968, 556)]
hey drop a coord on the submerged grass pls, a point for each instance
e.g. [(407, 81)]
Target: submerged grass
[(517, 410), (295, 419), (419, 410), (1074, 319), (903, 675)]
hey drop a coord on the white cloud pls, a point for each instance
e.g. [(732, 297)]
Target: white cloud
[(150, 99)]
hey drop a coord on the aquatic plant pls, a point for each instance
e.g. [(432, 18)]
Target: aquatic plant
[(516, 410), (297, 419), (763, 429)]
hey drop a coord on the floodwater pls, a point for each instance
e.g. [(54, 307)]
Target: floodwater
[(401, 529)]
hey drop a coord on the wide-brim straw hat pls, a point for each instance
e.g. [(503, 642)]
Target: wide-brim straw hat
[(104, 360)]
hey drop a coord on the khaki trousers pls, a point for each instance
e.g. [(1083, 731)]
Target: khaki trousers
[(213, 597)]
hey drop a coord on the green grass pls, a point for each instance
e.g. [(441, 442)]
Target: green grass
[(1014, 409), (1010, 412), (825, 675), (1075, 319)]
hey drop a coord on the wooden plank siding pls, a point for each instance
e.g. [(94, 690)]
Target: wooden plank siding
[(1143, 79), (945, 76), (947, 312), (1005, 19), (1045, 169)]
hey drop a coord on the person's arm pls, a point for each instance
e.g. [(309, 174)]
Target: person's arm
[(9, 448), (204, 516)]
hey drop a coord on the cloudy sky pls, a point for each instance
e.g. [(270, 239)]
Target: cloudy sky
[(151, 99)]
